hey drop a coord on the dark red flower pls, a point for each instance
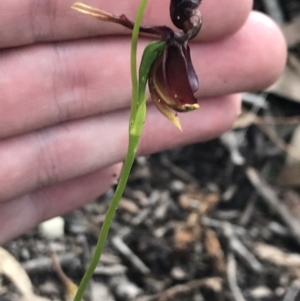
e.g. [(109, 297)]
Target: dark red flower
[(173, 81)]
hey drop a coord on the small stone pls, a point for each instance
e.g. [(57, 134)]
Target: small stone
[(261, 292), (52, 228), (101, 292), (177, 186), (178, 273)]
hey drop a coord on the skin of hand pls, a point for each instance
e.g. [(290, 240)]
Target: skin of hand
[(65, 96)]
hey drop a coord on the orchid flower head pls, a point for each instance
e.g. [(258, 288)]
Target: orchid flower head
[(172, 79)]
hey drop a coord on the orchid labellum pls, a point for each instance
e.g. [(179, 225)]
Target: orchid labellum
[(172, 79)]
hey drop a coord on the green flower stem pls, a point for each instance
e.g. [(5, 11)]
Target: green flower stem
[(137, 118), (108, 219), (134, 42)]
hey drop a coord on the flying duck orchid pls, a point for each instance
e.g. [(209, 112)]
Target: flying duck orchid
[(172, 79)]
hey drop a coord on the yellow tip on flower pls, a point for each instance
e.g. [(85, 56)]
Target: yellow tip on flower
[(176, 122), (190, 107)]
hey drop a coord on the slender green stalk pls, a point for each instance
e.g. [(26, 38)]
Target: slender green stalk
[(137, 117), (134, 42), (108, 219)]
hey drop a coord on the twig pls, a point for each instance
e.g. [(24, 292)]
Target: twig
[(119, 244), (231, 142), (232, 280), (278, 229), (293, 292), (246, 215), (123, 289), (272, 135), (111, 270), (273, 9), (177, 171), (270, 198), (214, 283), (238, 247), (45, 263), (294, 120), (257, 100), (216, 224), (69, 285), (141, 216)]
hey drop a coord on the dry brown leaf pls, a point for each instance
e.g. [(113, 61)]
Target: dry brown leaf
[(247, 118), (187, 233), (70, 287), (128, 205), (292, 201), (292, 32), (12, 269), (280, 143), (272, 254), (210, 201), (244, 120), (214, 250), (278, 257), (196, 200), (290, 173), (175, 292)]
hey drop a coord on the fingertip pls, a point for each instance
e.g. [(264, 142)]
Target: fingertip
[(273, 48), (221, 18), (250, 60), (228, 18)]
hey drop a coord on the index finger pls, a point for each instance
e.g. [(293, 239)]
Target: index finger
[(30, 21)]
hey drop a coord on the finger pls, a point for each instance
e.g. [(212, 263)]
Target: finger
[(243, 61), (30, 21), (24, 213), (76, 148), (73, 80)]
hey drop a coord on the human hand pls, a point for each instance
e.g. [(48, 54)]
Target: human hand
[(65, 96)]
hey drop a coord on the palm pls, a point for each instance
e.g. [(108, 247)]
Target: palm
[(65, 103)]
